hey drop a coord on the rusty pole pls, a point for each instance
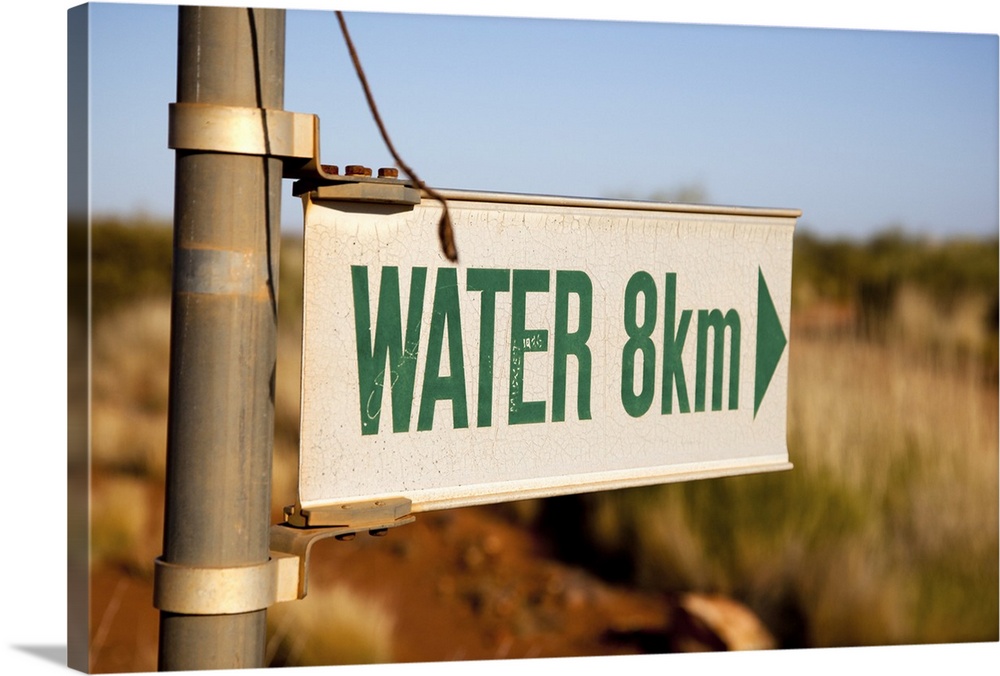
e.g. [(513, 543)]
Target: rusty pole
[(223, 334)]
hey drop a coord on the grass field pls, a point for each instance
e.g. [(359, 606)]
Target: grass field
[(885, 532)]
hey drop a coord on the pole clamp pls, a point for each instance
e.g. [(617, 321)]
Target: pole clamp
[(209, 127), (192, 590)]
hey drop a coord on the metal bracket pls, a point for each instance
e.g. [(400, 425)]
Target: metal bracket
[(369, 515), (359, 189), (192, 590), (305, 527), (291, 137)]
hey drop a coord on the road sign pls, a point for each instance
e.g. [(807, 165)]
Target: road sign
[(579, 345)]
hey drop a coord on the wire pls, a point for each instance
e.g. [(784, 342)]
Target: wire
[(445, 233), (267, 162)]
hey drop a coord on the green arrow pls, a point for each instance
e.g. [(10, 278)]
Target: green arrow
[(771, 341)]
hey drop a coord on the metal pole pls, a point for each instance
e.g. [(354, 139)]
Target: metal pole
[(223, 334)]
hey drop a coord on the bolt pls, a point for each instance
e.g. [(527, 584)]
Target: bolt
[(388, 172), (330, 168), (378, 532), (357, 170), (346, 537)]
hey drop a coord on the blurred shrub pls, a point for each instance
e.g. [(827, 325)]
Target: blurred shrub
[(128, 262), (842, 269), (915, 292)]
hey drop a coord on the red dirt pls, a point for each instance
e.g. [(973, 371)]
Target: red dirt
[(464, 584)]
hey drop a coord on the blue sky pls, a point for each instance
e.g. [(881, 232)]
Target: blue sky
[(861, 129)]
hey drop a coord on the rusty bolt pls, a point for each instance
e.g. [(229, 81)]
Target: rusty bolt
[(388, 172), (357, 170), (346, 537), (330, 168)]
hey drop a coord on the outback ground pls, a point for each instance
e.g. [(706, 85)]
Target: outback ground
[(465, 584)]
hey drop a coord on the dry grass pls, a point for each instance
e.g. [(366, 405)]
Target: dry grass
[(957, 328), (128, 434), (885, 532), (913, 447), (131, 355), (121, 523), (332, 626)]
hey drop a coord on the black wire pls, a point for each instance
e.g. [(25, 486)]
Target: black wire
[(267, 161)]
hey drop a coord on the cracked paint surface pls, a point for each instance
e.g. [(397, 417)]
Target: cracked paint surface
[(543, 364)]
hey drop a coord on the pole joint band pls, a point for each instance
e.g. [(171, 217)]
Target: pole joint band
[(191, 590), (209, 127)]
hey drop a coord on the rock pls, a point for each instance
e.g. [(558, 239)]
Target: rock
[(715, 622)]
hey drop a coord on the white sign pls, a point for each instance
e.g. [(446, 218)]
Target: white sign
[(578, 345)]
